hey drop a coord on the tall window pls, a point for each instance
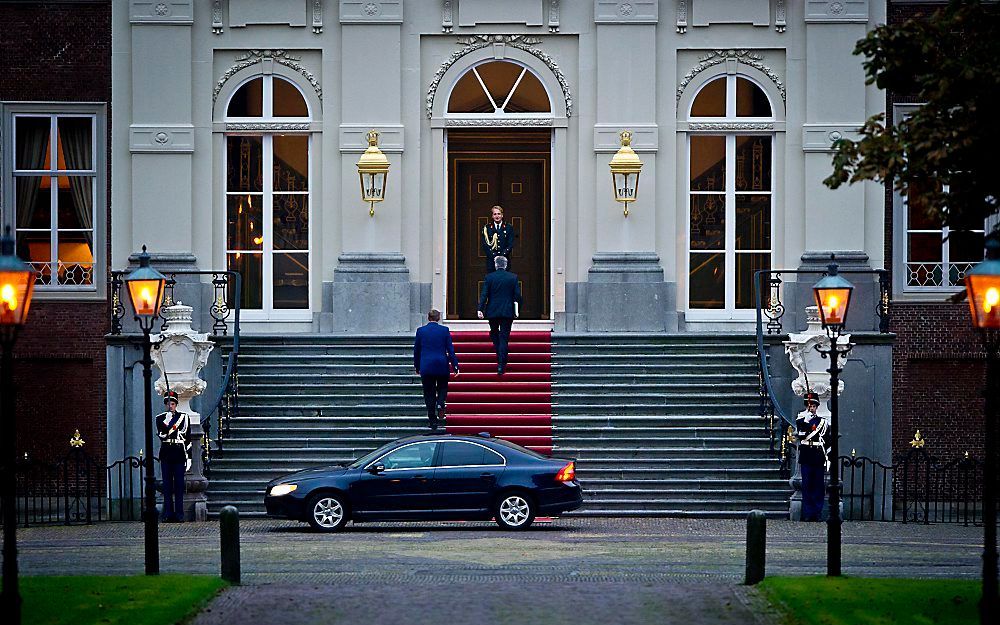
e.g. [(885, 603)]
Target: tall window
[(730, 195), (938, 256), (55, 197), (267, 196)]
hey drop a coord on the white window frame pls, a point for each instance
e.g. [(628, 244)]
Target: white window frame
[(729, 312), (901, 241), (8, 153), (267, 312)]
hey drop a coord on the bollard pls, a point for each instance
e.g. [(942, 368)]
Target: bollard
[(229, 534), (756, 547)]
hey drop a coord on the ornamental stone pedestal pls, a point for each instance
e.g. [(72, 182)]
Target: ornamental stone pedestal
[(813, 375), (180, 353)]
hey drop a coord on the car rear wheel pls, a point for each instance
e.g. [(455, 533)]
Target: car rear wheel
[(515, 511), (327, 512)]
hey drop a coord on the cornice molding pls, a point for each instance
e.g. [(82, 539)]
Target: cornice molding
[(253, 57), (718, 57), (525, 43)]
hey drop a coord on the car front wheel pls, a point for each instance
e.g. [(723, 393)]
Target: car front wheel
[(515, 511), (327, 512)]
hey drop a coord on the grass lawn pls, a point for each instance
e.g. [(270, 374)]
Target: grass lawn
[(871, 601), (124, 600)]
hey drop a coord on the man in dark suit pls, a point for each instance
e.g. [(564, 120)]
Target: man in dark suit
[(498, 302), (496, 239), (433, 352)]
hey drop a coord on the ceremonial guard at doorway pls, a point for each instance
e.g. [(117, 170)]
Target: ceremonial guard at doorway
[(814, 457), (497, 239), (175, 457)]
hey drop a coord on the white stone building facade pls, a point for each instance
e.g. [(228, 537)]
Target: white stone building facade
[(733, 104)]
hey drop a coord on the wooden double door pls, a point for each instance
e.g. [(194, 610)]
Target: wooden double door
[(519, 183)]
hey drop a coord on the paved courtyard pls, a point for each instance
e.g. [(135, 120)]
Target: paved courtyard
[(568, 570)]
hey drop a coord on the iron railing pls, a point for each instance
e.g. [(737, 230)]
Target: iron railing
[(775, 419), (76, 490), (227, 293), (923, 489)]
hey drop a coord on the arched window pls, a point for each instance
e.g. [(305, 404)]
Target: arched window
[(730, 188), (268, 187), (499, 88)]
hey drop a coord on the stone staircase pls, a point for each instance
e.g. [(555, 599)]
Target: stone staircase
[(665, 425), (661, 425)]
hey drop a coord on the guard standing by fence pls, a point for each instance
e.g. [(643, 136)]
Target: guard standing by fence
[(172, 428), (813, 457)]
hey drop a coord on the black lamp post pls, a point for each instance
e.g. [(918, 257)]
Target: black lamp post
[(17, 281), (833, 297), (982, 284), (145, 291)]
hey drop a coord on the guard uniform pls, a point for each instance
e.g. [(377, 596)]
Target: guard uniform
[(497, 240), (172, 428), (813, 458)]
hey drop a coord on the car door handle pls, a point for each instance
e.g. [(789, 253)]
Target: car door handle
[(422, 478), (487, 476)]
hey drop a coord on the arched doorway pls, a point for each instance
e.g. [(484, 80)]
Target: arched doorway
[(494, 161)]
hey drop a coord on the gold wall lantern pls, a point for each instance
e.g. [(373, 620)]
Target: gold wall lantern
[(373, 168), (625, 167)]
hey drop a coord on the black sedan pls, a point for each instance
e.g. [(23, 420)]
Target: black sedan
[(430, 477)]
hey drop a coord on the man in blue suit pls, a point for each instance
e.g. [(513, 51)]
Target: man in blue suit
[(433, 352), (498, 302)]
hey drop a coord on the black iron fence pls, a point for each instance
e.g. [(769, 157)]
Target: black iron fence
[(77, 490), (919, 488)]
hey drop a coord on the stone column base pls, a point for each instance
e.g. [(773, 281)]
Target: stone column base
[(370, 294), (626, 293)]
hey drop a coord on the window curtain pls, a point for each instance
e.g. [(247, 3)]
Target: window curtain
[(74, 134), (34, 138)]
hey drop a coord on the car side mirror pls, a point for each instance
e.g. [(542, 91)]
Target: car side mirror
[(375, 469)]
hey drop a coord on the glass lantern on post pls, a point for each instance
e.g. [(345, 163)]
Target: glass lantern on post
[(982, 285), (373, 168), (625, 168)]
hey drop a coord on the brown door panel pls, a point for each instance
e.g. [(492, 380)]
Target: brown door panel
[(519, 185)]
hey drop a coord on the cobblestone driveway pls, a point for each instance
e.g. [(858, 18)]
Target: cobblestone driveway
[(569, 570)]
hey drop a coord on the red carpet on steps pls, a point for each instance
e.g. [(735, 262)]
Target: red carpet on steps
[(516, 406)]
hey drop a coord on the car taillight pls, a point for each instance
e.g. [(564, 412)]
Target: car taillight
[(567, 473)]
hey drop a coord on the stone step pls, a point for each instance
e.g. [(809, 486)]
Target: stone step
[(674, 506), (593, 496)]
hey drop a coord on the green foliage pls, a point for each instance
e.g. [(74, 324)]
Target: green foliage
[(948, 148), (871, 601), (134, 600)]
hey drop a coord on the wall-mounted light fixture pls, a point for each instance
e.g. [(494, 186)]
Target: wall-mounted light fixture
[(373, 168), (625, 167)]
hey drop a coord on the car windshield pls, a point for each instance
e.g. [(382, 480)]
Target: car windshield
[(365, 459)]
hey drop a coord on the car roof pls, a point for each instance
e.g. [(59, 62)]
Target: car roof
[(493, 443)]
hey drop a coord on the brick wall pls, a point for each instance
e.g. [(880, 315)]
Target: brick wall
[(938, 359), (60, 52)]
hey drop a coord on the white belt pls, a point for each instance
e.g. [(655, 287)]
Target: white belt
[(812, 443)]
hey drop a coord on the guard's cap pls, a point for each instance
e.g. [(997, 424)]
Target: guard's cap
[(811, 397), (170, 396)]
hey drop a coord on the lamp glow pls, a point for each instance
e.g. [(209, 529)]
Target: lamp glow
[(833, 297), (982, 285)]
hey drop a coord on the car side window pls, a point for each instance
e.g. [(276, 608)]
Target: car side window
[(415, 456), (459, 454), (492, 457)]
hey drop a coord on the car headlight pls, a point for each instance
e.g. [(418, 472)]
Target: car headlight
[(282, 489)]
